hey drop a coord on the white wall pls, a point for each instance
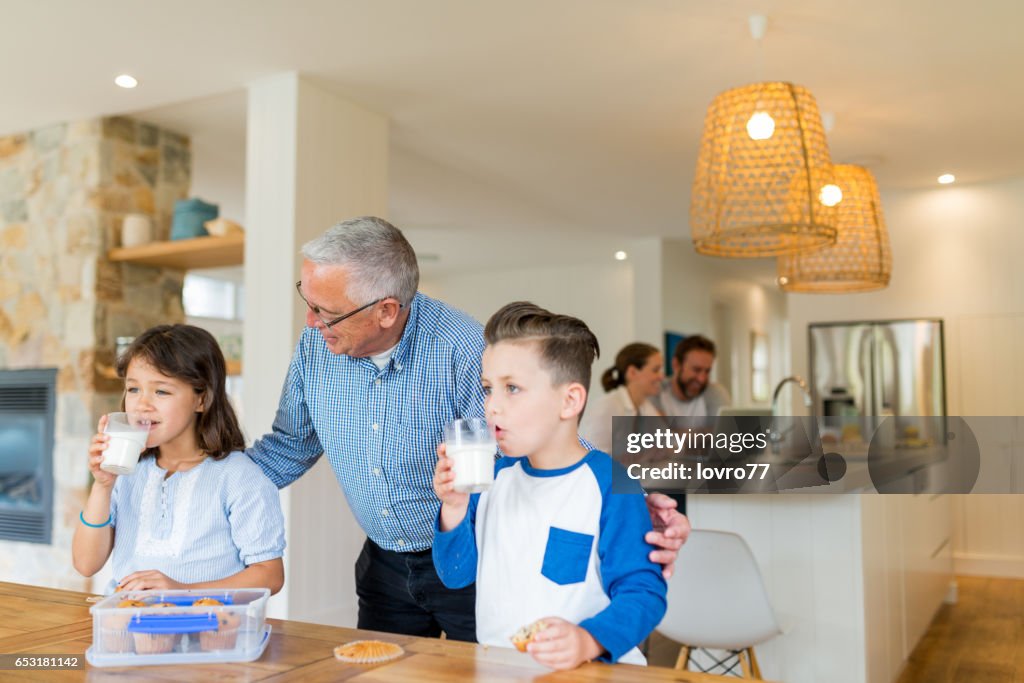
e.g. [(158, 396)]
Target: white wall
[(740, 309), (711, 296), (600, 294), (663, 286), (956, 256)]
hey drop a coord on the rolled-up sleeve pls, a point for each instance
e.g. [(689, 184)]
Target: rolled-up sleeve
[(292, 447)]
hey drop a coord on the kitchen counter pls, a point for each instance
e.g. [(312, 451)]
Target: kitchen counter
[(46, 621), (854, 579)]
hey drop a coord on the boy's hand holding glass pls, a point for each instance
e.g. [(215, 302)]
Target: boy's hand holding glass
[(453, 502), (563, 645)]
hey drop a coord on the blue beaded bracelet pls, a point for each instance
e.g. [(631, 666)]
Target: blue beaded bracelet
[(81, 516)]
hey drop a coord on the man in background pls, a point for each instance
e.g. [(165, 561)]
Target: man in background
[(689, 391)]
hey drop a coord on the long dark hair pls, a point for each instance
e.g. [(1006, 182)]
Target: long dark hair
[(632, 355), (191, 354)]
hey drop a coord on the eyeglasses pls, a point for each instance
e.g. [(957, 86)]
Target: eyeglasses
[(331, 323)]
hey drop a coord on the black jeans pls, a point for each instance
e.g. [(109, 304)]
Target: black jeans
[(401, 593)]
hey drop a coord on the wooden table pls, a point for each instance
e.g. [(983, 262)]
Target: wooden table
[(39, 621)]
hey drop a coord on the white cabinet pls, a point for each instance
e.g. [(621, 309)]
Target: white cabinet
[(855, 579)]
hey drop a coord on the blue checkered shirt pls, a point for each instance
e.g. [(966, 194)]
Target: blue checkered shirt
[(379, 427)]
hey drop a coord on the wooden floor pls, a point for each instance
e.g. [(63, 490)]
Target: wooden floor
[(978, 640)]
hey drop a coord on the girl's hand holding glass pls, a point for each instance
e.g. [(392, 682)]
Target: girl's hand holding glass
[(96, 447)]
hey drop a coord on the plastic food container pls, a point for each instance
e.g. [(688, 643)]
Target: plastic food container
[(170, 629)]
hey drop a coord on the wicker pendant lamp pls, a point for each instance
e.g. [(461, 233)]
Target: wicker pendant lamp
[(861, 259), (764, 184)]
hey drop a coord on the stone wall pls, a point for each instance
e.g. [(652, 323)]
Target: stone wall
[(64, 191)]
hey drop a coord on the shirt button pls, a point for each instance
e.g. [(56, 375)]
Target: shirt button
[(377, 382), (375, 426), (385, 513), (398, 366), (401, 542), (376, 471)]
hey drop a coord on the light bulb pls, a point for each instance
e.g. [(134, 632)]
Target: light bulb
[(761, 126), (620, 256), (830, 195), (126, 81), (946, 178)]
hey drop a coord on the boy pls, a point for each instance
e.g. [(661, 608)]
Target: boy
[(549, 540)]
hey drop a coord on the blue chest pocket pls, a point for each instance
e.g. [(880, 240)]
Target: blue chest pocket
[(566, 556)]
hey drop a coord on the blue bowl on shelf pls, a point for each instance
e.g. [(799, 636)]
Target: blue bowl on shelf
[(189, 216)]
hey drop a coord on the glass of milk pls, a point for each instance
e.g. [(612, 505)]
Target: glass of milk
[(127, 441), (471, 445)]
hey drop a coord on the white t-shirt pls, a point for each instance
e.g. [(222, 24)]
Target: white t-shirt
[(596, 426)]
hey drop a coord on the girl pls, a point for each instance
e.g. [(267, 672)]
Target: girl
[(635, 378), (197, 512)]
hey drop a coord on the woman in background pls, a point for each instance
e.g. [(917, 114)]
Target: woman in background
[(630, 383)]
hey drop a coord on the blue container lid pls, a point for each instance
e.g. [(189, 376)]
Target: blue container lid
[(172, 623)]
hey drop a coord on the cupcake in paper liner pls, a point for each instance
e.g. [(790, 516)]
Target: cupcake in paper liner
[(114, 635), (367, 652), (156, 643), (226, 635)]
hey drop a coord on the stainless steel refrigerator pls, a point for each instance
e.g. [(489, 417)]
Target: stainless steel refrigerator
[(874, 369)]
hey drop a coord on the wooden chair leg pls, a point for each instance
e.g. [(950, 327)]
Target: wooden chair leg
[(755, 669), (745, 663), (683, 660)]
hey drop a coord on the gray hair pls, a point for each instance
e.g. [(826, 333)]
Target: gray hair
[(380, 261)]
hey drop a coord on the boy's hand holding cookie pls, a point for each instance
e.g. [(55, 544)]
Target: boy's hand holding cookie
[(563, 645), (453, 503)]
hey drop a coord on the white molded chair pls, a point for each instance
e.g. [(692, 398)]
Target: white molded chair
[(717, 600)]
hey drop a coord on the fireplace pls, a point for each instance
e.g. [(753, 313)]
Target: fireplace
[(27, 399)]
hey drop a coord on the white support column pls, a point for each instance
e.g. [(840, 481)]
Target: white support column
[(313, 159)]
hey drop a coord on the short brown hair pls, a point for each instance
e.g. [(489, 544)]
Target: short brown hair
[(191, 354), (567, 346), (691, 343)]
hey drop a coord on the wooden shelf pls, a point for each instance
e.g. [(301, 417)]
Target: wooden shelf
[(198, 252), (234, 367)]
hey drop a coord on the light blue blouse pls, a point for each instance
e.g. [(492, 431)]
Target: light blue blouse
[(203, 524)]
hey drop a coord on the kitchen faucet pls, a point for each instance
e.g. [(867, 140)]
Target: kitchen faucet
[(799, 382), (777, 436)]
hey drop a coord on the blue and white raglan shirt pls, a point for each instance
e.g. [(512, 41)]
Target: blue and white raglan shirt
[(557, 543)]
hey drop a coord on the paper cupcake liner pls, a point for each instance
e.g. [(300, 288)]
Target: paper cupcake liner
[(155, 643), (116, 640), (223, 639), (367, 652)]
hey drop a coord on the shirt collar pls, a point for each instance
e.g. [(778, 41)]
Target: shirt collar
[(403, 352)]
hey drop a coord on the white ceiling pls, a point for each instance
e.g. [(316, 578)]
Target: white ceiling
[(542, 114)]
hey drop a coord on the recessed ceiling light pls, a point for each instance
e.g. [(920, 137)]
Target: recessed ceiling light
[(620, 256), (126, 81), (946, 178)]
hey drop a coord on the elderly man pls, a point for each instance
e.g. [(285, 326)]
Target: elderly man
[(689, 391), (378, 372)]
